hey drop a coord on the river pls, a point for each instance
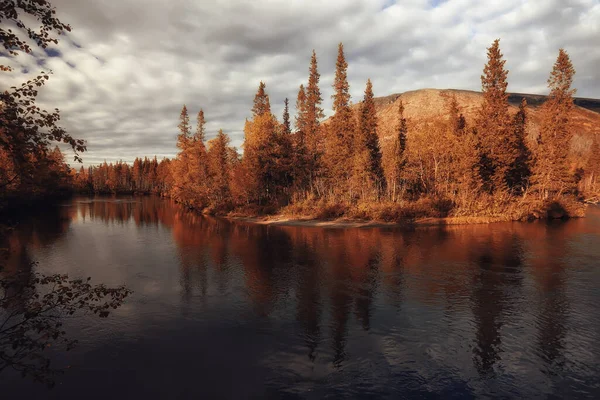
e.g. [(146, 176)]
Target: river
[(226, 309)]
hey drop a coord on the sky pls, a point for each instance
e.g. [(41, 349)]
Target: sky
[(122, 75)]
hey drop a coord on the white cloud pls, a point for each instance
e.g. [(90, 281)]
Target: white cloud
[(134, 63)]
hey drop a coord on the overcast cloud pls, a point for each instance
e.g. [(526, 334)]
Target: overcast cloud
[(123, 73)]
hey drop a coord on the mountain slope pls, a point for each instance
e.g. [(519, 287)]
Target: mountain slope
[(426, 104)]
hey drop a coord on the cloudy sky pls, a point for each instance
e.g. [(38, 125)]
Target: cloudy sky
[(123, 73)]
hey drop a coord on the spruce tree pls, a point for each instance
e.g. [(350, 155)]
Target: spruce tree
[(218, 156), (457, 119), (498, 150), (284, 154), (339, 151), (302, 158), (314, 113), (301, 119), (200, 127), (195, 180), (519, 173), (261, 155), (184, 128), (398, 153), (261, 101), (287, 128), (367, 148), (552, 175)]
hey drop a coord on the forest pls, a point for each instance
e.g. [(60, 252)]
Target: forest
[(488, 166), (341, 166)]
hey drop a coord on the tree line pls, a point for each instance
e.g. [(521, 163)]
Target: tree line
[(144, 176), (482, 167)]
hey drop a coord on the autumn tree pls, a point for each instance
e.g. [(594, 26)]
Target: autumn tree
[(368, 170), (184, 129), (340, 141), (463, 155), (164, 177), (520, 171), (302, 157), (552, 176), (458, 122), (300, 120), (313, 115), (12, 11), (260, 149), (137, 174), (219, 169), (27, 131), (285, 152), (498, 149), (396, 160), (287, 127), (180, 166), (31, 307), (262, 105), (197, 168), (190, 168)]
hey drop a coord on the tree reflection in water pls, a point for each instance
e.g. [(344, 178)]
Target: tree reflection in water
[(484, 307)]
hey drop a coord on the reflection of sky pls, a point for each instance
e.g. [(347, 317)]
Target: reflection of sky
[(459, 311)]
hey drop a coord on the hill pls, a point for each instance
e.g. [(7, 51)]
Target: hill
[(426, 104)]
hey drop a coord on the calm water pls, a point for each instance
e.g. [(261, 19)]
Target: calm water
[(233, 310)]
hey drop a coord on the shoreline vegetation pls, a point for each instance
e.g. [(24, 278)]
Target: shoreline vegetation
[(496, 166), (358, 222)]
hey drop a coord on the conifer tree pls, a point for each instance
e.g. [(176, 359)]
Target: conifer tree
[(314, 113), (457, 119), (261, 149), (398, 159), (196, 174), (301, 119), (284, 157), (287, 128), (184, 129), (261, 101), (464, 156), (498, 150), (552, 175), (339, 151), (368, 166), (181, 166), (137, 173), (200, 127), (519, 173), (219, 168), (302, 159)]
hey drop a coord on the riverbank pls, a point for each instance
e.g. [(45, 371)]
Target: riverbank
[(424, 212), (282, 220), (409, 215)]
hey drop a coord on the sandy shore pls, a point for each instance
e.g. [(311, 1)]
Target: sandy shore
[(353, 223)]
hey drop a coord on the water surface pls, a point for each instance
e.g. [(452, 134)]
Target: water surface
[(232, 310)]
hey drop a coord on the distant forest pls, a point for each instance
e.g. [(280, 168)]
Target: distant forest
[(312, 167)]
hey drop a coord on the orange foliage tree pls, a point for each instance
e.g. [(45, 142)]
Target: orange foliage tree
[(552, 176)]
